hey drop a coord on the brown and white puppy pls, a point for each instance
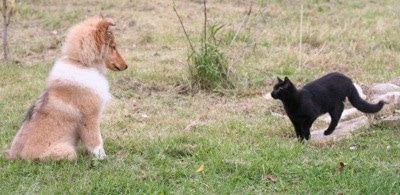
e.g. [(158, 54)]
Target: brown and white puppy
[(69, 109)]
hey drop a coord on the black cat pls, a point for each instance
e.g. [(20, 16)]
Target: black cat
[(323, 95)]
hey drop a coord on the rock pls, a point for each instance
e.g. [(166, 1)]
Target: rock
[(396, 81), (343, 130), (392, 121), (392, 100), (389, 98), (383, 88)]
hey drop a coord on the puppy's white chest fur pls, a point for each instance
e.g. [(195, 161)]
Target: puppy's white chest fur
[(84, 77)]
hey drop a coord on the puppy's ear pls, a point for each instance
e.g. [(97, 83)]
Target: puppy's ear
[(105, 23), (110, 21)]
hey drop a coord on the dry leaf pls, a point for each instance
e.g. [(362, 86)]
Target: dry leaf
[(352, 148), (200, 169), (191, 126), (270, 178), (143, 175), (341, 167)]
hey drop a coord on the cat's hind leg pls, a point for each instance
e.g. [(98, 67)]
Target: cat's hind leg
[(335, 114)]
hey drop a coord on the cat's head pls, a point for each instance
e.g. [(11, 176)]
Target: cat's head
[(282, 89)]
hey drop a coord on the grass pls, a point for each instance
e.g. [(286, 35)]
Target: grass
[(244, 148), (208, 65)]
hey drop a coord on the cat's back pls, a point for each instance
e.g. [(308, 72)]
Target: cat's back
[(330, 81)]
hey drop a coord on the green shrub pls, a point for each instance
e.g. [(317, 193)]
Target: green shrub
[(208, 66)]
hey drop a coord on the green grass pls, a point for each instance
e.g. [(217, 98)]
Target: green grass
[(208, 65), (244, 148)]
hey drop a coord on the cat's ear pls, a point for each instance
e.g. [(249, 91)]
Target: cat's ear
[(287, 79), (279, 79), (288, 82)]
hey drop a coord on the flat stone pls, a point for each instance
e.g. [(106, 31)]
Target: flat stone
[(343, 130), (389, 98), (396, 81), (383, 88), (392, 121)]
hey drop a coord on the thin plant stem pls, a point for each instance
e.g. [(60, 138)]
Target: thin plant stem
[(244, 21), (183, 27), (6, 21), (205, 27), (301, 37)]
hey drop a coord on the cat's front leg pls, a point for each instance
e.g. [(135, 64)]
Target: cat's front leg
[(297, 129), (306, 126)]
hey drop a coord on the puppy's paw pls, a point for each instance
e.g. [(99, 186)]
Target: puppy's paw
[(99, 153)]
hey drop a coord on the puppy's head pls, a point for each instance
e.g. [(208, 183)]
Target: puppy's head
[(112, 57), (92, 44)]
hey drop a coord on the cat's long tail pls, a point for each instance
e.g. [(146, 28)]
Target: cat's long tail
[(363, 105)]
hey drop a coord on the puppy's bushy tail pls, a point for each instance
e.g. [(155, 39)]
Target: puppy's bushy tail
[(363, 105)]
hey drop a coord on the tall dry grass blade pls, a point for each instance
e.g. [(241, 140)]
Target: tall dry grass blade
[(6, 21), (301, 38), (205, 26), (183, 27), (244, 22)]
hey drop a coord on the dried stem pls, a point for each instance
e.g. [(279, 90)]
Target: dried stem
[(183, 27), (6, 22), (244, 21), (301, 38), (205, 27)]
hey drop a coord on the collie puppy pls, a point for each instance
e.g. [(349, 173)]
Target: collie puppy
[(76, 92)]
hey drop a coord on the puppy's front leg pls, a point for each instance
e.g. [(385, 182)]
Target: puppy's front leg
[(91, 138)]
